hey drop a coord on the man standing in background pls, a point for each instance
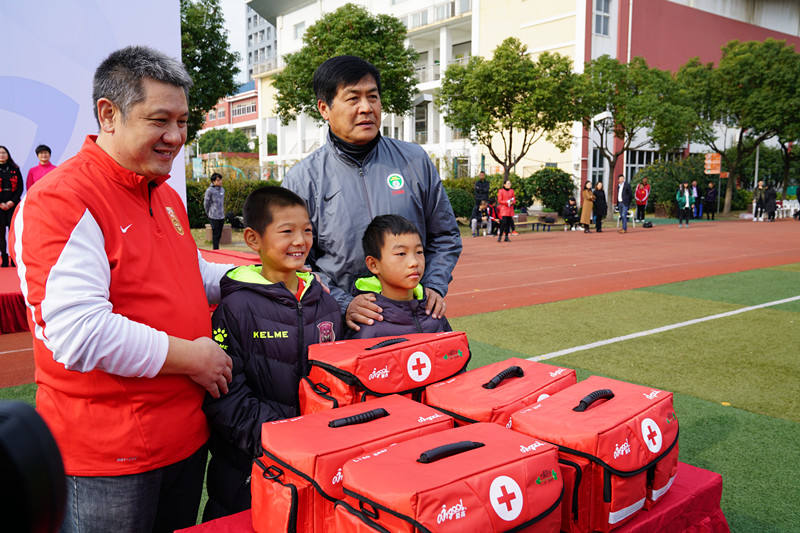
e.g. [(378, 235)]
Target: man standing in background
[(214, 204)]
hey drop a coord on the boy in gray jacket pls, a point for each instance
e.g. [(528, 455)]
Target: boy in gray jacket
[(214, 204)]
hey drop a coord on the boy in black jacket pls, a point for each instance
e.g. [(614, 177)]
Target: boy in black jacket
[(267, 317), (394, 254)]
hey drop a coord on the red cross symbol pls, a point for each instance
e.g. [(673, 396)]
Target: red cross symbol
[(651, 435), (506, 498), (419, 366)]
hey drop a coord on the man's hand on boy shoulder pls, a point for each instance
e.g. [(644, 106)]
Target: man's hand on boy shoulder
[(364, 310)]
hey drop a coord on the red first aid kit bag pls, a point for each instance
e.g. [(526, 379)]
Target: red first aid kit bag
[(618, 448), (296, 482), (346, 372), (493, 392), (482, 477)]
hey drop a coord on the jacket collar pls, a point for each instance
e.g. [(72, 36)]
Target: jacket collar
[(114, 170), (373, 284), (338, 152)]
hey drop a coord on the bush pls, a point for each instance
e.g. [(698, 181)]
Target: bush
[(236, 190), (552, 186), (461, 200)]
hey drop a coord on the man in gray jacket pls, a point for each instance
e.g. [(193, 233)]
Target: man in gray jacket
[(214, 204), (358, 175)]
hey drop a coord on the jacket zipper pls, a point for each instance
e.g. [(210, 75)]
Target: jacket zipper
[(416, 322), (366, 192), (150, 187)]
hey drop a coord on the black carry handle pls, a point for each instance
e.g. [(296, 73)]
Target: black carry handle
[(447, 450), (510, 372), (387, 342), (360, 418), (600, 394)]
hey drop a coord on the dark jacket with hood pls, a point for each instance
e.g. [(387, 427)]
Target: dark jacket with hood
[(399, 317), (266, 332)]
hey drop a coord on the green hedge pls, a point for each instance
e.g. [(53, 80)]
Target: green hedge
[(461, 200), (236, 190), (552, 186)]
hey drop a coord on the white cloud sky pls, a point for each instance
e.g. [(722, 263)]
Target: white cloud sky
[(236, 24)]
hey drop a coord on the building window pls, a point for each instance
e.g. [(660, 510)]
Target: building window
[(602, 13), (635, 160), (212, 114), (269, 33), (261, 36), (249, 58), (221, 113), (598, 165), (299, 28), (243, 109), (421, 123), (420, 18)]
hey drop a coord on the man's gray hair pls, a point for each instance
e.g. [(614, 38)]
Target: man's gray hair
[(119, 77)]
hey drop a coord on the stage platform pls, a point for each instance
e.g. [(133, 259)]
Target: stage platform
[(691, 505), (12, 305)]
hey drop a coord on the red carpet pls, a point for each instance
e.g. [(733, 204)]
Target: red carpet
[(12, 305)]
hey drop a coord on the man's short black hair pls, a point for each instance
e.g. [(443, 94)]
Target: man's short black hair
[(259, 205), (216, 176), (43, 148), (341, 71), (375, 234)]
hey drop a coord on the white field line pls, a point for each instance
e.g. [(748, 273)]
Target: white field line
[(17, 351), (659, 330)]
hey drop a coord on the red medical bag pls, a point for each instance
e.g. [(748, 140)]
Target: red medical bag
[(351, 371), (618, 448), (482, 477), (296, 482), (493, 392)]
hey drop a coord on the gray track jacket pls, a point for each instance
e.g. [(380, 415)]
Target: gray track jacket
[(397, 178), (214, 202)]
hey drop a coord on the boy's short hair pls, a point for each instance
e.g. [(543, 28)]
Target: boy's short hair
[(216, 176), (375, 234), (43, 148), (259, 205)]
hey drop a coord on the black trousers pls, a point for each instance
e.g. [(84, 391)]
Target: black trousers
[(684, 214), (640, 211), (598, 223), (216, 231), (505, 227)]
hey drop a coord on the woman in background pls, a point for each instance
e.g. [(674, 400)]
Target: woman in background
[(600, 206), (505, 205), (587, 205), (10, 193)]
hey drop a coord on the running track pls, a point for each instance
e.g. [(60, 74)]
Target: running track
[(545, 267)]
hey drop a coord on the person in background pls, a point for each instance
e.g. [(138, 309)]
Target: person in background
[(587, 205), (214, 204), (759, 197), (697, 194), (570, 214), (36, 173), (481, 188), (771, 202), (624, 197), (505, 202), (492, 217), (685, 202), (600, 209), (10, 194), (710, 201), (478, 219), (641, 195)]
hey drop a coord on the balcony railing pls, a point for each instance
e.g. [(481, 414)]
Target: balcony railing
[(265, 66), (425, 73), (436, 13)]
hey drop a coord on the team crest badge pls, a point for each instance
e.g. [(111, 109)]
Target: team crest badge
[(326, 333), (395, 181), (175, 222)]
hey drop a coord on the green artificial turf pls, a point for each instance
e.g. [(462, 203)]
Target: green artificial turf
[(22, 393)]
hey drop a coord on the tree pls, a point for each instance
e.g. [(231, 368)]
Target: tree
[(350, 30), (222, 140), (510, 98), (553, 187), (746, 93), (206, 54), (272, 144), (637, 106)]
